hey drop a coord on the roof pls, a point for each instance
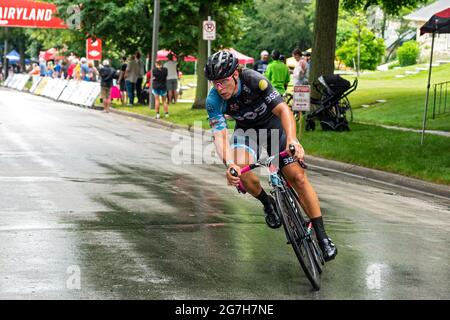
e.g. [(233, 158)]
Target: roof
[(425, 13)]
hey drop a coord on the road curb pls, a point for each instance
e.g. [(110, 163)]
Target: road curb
[(352, 169)]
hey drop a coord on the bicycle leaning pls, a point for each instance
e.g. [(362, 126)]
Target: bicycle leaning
[(298, 229)]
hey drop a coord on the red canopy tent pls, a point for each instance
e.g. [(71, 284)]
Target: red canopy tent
[(242, 58), (162, 55), (438, 23), (190, 59)]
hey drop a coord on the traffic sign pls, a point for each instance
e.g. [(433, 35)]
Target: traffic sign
[(301, 98), (209, 30), (94, 49)]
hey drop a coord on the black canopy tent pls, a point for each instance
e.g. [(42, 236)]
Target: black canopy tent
[(438, 23)]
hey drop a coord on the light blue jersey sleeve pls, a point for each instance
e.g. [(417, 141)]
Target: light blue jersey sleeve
[(216, 108)]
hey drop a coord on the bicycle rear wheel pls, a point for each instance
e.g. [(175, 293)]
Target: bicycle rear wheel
[(298, 238)]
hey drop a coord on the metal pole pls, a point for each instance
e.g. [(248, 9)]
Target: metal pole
[(5, 51), (154, 49), (209, 53), (359, 45), (428, 92)]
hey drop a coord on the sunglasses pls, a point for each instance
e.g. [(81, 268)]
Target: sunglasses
[(222, 83)]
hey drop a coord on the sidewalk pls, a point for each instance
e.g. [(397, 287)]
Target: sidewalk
[(435, 132), (320, 163)]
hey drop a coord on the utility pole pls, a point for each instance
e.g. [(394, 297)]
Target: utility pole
[(5, 52), (154, 49), (359, 46), (209, 54)]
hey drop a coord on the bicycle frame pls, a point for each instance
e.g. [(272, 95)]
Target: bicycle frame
[(273, 170)]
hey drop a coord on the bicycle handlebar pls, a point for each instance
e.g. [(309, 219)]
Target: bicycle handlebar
[(282, 154)]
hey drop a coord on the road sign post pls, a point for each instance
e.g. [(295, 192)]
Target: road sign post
[(209, 34)]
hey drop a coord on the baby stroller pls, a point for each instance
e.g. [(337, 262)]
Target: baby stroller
[(333, 104)]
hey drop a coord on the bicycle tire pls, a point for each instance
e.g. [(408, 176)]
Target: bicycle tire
[(312, 241), (297, 238)]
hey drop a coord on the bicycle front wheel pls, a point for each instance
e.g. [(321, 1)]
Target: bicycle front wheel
[(298, 238)]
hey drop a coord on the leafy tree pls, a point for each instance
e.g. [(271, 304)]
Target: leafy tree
[(276, 24), (371, 50)]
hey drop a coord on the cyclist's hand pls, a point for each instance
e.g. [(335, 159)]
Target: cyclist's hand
[(232, 180), (299, 152)]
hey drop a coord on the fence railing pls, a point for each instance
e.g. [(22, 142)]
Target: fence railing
[(440, 98)]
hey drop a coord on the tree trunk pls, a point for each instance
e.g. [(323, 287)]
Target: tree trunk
[(324, 44), (202, 83)]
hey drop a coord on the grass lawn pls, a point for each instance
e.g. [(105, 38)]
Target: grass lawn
[(405, 98), (384, 149)]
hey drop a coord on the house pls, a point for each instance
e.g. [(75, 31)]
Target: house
[(441, 41)]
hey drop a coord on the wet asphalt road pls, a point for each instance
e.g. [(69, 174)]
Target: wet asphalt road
[(92, 207)]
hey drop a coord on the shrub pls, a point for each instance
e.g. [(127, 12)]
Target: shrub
[(408, 53)]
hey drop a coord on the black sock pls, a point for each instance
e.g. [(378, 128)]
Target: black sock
[(264, 198), (319, 228)]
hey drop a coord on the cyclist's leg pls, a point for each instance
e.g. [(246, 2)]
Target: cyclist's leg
[(244, 154)]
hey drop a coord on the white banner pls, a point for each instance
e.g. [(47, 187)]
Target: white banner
[(36, 81)]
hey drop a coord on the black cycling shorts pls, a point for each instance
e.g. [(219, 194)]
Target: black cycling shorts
[(271, 137)]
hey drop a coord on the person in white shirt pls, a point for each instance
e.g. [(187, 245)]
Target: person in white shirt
[(300, 70), (172, 79)]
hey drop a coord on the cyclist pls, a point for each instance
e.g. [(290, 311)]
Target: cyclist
[(249, 98)]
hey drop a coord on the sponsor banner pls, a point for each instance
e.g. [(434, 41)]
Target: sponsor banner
[(41, 86), (22, 80), (301, 98), (58, 88), (8, 80), (30, 14), (82, 93), (69, 91), (36, 80)]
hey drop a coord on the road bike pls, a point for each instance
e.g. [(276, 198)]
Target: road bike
[(298, 228)]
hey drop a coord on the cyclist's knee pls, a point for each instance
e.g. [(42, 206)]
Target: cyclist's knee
[(300, 180), (250, 178)]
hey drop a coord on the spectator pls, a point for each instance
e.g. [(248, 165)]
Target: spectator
[(172, 79), (107, 75), (76, 74), (42, 67), (159, 86), (131, 76), (93, 72), (261, 65), (84, 70), (57, 70), (278, 73), (140, 77), (121, 80), (64, 68), (308, 62), (300, 68), (35, 71), (73, 64), (283, 59), (50, 69)]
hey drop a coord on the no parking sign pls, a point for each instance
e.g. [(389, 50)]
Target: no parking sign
[(302, 98)]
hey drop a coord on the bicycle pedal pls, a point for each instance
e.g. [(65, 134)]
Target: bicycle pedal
[(288, 242)]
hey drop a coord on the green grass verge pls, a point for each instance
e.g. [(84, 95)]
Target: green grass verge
[(389, 150), (405, 98)]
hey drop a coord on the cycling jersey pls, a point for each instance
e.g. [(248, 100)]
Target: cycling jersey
[(251, 107)]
